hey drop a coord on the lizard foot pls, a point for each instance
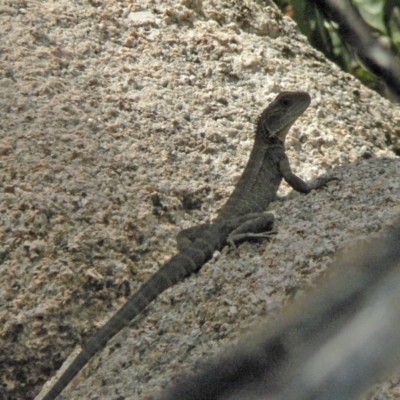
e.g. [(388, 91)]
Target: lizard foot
[(240, 237), (323, 182)]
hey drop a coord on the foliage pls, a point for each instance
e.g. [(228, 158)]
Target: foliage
[(382, 16)]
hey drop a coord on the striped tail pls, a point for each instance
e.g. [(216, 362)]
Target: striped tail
[(174, 271)]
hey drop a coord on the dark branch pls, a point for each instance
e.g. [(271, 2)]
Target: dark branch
[(356, 32)]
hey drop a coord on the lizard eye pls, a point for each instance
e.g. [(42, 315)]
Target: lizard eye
[(286, 102)]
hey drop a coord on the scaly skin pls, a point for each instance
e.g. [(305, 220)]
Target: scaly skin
[(243, 213)]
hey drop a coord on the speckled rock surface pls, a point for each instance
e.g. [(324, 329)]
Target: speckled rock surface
[(123, 122)]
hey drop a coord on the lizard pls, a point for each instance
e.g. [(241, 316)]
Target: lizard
[(242, 215)]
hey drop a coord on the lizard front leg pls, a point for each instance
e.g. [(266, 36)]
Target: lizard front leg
[(296, 182)]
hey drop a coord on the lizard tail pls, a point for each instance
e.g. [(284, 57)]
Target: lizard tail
[(174, 271)]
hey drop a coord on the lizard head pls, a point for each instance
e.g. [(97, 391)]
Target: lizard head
[(279, 116)]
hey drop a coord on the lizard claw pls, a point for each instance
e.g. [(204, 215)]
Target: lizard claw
[(230, 241)]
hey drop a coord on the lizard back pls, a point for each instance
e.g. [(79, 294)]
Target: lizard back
[(258, 184)]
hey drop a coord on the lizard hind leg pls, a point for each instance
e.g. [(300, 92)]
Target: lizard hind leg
[(257, 226), (186, 237)]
